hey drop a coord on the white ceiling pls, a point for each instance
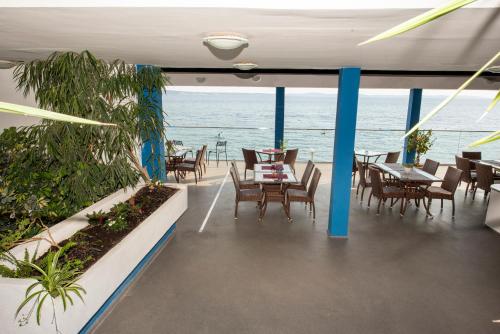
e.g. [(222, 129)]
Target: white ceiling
[(278, 38)]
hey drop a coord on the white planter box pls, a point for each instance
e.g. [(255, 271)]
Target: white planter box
[(103, 277)]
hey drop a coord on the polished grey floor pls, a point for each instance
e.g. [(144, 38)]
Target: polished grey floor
[(393, 275)]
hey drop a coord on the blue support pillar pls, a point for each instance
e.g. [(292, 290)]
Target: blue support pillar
[(279, 122), (412, 118), (153, 146), (343, 148)]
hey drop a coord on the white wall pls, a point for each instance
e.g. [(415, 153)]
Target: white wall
[(9, 93)]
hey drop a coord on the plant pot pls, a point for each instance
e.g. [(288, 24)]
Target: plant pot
[(104, 277)]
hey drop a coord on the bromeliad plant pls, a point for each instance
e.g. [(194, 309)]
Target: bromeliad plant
[(421, 141), (53, 281)]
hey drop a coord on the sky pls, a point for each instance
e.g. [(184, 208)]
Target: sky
[(270, 90)]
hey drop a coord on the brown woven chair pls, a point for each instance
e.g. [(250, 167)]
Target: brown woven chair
[(472, 155), (296, 195), (364, 181), (447, 189), (183, 168), (273, 193), (354, 169), (244, 195), (468, 176), (291, 157), (485, 179), (305, 177), (250, 158), (384, 192), (430, 166), (392, 157), (202, 162), (247, 184)]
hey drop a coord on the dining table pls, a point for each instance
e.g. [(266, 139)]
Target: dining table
[(274, 179), (411, 179), (367, 155), (493, 163), (272, 153)]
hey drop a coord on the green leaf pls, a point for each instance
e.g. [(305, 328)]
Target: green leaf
[(419, 20), (490, 106), (39, 309), (35, 112), (488, 139), (27, 300), (451, 97)]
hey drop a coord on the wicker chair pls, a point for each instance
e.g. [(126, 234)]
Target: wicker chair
[(354, 169), (247, 184), (220, 147), (430, 166), (305, 177), (392, 157), (250, 158), (382, 191), (296, 195), (184, 167), (485, 179), (291, 157), (468, 176), (447, 189), (364, 181), (202, 162), (472, 155), (244, 195), (273, 193)]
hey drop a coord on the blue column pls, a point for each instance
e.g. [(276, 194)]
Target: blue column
[(279, 122), (153, 146), (412, 118), (343, 148)]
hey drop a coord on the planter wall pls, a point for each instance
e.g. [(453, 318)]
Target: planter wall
[(102, 278)]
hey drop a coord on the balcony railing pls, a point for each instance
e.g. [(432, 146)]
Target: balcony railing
[(317, 143)]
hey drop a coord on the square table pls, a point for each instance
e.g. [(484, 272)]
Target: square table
[(493, 163), (415, 175)]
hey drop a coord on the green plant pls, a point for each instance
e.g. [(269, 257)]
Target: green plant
[(117, 224), (283, 144), (16, 268), (420, 141), (97, 217), (53, 281)]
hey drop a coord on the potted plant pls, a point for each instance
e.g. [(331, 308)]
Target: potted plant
[(420, 141)]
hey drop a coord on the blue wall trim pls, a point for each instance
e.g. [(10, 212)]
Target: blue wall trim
[(412, 118), (343, 150), (153, 146), (128, 280), (279, 120)]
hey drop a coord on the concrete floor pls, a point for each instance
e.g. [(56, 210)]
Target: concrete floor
[(393, 275)]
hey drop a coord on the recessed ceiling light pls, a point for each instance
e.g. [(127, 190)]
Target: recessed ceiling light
[(245, 66), (493, 69), (5, 64), (225, 41)]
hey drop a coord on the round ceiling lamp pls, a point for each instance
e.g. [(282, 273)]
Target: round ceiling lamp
[(245, 66), (225, 41)]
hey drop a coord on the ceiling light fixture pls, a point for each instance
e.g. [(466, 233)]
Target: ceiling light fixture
[(225, 41), (245, 66)]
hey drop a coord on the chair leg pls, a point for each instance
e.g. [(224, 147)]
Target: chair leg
[(314, 210), (236, 209), (225, 152), (453, 207), (362, 193), (370, 198), (354, 180), (245, 173), (195, 178), (474, 194), (378, 206), (441, 204), (357, 189), (466, 190)]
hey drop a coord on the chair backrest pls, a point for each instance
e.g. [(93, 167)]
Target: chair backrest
[(484, 176), (376, 180), (222, 143), (199, 155), (314, 183), (464, 165), (392, 157), (291, 156), (307, 173), (235, 168), (361, 169), (471, 155), (204, 152), (430, 166), (250, 158), (451, 179), (177, 142), (235, 181)]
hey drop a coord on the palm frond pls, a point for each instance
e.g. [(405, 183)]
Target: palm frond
[(419, 20), (451, 97), (490, 106), (46, 114), (488, 139)]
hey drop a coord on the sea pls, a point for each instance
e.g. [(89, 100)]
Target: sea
[(246, 120)]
